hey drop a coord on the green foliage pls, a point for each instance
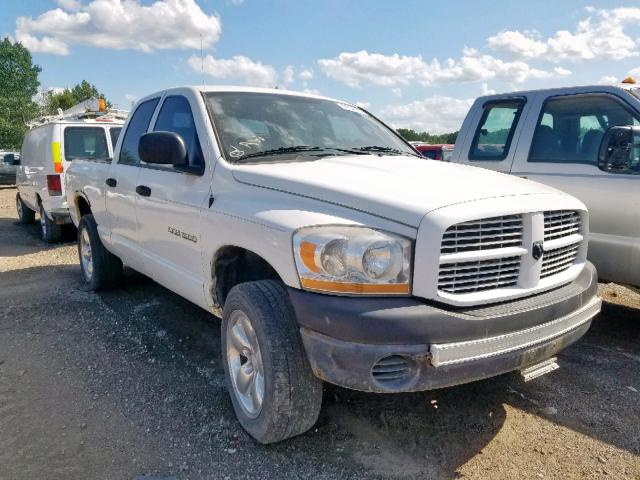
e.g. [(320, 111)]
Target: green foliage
[(70, 97), (18, 84), (413, 136)]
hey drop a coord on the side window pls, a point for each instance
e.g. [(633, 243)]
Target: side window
[(138, 126), (495, 132), (85, 142), (176, 116), (576, 128)]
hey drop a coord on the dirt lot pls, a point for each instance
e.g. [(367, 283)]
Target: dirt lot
[(129, 383)]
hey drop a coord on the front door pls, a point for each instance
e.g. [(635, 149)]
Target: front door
[(170, 204), (564, 154)]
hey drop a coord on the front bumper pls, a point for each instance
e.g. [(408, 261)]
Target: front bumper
[(405, 344)]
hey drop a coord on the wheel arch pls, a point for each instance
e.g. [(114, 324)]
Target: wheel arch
[(232, 265)]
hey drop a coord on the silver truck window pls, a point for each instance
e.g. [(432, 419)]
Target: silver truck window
[(88, 143), (267, 127), (495, 130), (114, 133), (137, 127), (176, 116), (571, 128)]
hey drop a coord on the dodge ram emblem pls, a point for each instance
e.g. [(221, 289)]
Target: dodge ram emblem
[(538, 250)]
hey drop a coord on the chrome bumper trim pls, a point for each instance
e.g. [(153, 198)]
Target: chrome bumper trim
[(453, 353)]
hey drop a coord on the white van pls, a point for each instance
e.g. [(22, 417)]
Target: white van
[(50, 145)]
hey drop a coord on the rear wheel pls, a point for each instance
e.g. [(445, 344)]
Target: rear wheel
[(25, 214), (51, 232), (100, 268), (274, 392)]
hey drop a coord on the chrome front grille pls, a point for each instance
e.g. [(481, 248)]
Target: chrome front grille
[(478, 276), (561, 223), (559, 260), (503, 253), (483, 234)]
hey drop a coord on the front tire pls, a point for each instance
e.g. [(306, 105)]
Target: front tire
[(25, 214), (100, 268), (274, 393), (51, 232)]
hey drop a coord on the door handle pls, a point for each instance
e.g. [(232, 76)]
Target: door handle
[(111, 182), (143, 190)]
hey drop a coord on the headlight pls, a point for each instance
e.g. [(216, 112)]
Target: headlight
[(353, 260)]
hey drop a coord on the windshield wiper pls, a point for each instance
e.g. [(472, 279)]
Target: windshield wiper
[(378, 148), (296, 149)]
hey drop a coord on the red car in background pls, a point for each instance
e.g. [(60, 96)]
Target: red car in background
[(434, 151)]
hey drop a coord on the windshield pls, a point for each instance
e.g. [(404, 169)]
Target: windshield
[(267, 127)]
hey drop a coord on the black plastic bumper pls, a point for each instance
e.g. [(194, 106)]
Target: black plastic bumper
[(345, 337)]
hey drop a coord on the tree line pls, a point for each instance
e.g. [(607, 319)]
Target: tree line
[(412, 136), (19, 85)]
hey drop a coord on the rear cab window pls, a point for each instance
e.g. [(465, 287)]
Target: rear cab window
[(495, 131), (114, 133), (88, 143)]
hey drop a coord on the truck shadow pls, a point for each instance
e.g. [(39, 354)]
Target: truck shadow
[(18, 239), (170, 351)]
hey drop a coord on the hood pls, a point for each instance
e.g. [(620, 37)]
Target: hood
[(399, 188)]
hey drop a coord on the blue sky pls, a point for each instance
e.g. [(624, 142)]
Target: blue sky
[(417, 64)]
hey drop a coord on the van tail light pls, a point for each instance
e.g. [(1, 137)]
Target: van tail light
[(54, 185)]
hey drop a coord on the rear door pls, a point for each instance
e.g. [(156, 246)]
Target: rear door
[(561, 150), (120, 187), (169, 207), (497, 125)]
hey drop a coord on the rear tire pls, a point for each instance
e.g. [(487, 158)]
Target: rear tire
[(100, 268), (51, 232), (291, 395), (25, 214)]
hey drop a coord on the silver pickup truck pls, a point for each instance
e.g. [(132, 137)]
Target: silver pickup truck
[(582, 140)]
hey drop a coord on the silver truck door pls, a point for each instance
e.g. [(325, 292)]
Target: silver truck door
[(560, 148)]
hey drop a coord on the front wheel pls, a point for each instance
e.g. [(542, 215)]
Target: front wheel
[(100, 268), (51, 232), (274, 393)]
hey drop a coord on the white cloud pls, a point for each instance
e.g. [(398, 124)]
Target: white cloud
[(73, 5), (288, 75), (396, 92), (306, 74), (237, 68), (119, 25), (437, 114), (600, 36), (486, 90), (635, 72), (607, 80), (359, 68)]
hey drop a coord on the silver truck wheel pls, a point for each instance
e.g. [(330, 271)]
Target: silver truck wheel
[(100, 268), (274, 392), (245, 363), (86, 260)]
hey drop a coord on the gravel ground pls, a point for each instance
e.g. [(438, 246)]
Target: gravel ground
[(128, 383)]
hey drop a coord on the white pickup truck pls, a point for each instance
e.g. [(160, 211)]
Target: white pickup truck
[(331, 250), (582, 140)]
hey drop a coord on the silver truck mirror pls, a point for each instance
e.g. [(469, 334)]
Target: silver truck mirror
[(620, 150), (163, 148)]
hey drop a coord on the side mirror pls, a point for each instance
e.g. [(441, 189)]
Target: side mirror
[(163, 148), (620, 150)]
